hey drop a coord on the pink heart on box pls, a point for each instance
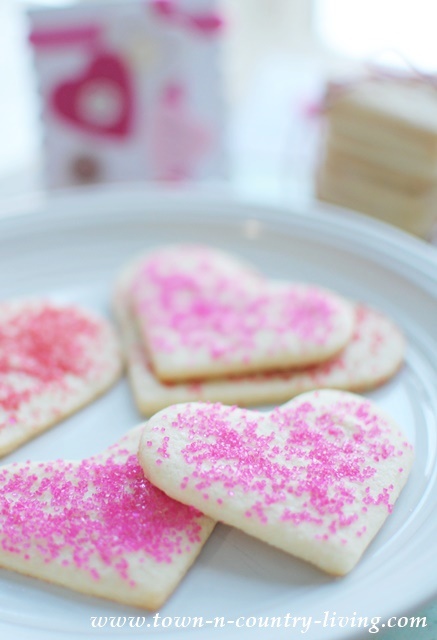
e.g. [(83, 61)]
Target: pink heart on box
[(99, 100)]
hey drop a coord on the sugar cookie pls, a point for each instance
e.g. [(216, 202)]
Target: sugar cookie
[(372, 357), (98, 526), (203, 314), (316, 477), (54, 359)]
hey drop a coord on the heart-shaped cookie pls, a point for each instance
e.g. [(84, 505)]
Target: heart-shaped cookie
[(98, 526), (373, 355), (204, 314), (316, 477), (54, 359)]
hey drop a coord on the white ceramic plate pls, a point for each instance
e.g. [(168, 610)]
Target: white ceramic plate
[(71, 248)]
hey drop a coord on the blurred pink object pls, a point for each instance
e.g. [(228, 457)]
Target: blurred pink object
[(178, 139), (130, 91)]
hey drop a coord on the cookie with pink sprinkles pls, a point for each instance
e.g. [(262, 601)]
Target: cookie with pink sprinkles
[(54, 359), (202, 313), (97, 526), (374, 354), (316, 477)]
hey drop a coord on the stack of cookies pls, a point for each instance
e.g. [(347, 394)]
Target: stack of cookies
[(380, 151), (200, 325)]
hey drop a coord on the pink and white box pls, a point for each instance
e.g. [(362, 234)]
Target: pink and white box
[(131, 91)]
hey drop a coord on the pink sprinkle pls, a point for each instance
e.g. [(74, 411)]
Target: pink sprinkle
[(41, 345), (184, 296), (316, 460), (92, 511)]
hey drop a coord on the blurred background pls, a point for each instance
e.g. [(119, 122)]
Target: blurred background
[(278, 100)]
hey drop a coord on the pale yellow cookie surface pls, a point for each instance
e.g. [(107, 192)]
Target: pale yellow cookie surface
[(373, 356), (97, 526), (54, 359), (203, 314), (316, 477)]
